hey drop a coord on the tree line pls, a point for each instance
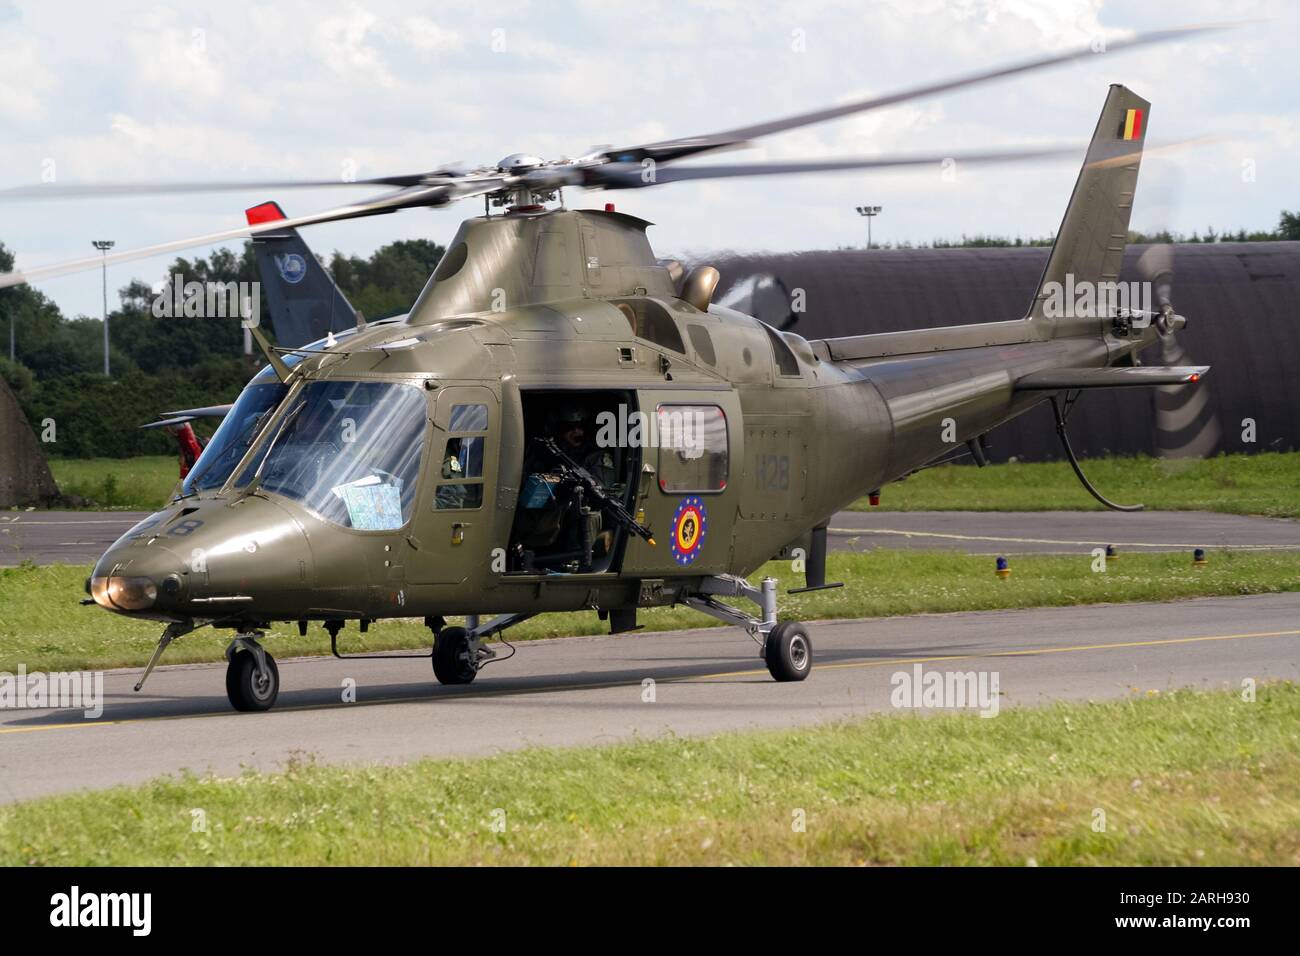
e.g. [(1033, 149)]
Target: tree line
[(162, 364), (1288, 228)]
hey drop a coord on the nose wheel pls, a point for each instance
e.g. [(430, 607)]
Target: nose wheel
[(252, 679)]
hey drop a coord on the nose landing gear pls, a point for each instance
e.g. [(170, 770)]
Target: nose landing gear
[(252, 679)]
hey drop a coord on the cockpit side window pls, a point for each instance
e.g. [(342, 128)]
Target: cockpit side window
[(460, 482)]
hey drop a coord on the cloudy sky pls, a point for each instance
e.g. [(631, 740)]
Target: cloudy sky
[(325, 89)]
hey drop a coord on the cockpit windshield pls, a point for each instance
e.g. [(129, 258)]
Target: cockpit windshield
[(233, 438), (349, 451)]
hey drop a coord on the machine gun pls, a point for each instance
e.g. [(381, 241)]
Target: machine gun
[(572, 473)]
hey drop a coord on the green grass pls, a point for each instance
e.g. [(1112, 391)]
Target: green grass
[(42, 627), (1185, 778), (125, 484), (1263, 484)]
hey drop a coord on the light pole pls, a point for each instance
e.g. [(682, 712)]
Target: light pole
[(871, 212), (103, 245)]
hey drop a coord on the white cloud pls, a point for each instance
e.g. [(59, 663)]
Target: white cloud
[(423, 34), (25, 79)]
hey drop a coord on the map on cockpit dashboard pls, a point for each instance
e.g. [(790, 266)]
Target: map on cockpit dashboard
[(373, 504)]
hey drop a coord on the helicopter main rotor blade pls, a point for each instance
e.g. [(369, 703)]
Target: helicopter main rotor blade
[(435, 195), (633, 175), (674, 149), (110, 190)]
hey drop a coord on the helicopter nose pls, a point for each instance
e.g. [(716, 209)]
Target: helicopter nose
[(207, 561), (122, 583)]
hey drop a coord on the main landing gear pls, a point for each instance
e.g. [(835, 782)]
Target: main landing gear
[(252, 679), (785, 647), (459, 653)]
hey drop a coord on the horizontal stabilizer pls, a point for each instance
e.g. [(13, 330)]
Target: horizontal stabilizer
[(1051, 380), (181, 416), (170, 422), (209, 411)]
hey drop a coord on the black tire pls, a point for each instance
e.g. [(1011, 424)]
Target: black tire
[(451, 657), (245, 687), (788, 651)]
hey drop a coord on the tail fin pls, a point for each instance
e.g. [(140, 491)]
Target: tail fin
[(1090, 244), (304, 302)]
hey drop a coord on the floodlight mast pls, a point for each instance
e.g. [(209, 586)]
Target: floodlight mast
[(103, 245), (871, 212)]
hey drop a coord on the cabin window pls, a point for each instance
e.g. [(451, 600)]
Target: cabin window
[(651, 321), (786, 363), (451, 262), (703, 343), (693, 448), (460, 475)]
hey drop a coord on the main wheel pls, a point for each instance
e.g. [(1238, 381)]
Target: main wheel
[(451, 663), (788, 651), (247, 688)]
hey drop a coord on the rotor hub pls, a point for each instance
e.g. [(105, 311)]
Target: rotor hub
[(520, 163)]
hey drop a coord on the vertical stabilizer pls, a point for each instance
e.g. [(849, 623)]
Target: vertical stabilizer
[(1089, 247), (301, 296)]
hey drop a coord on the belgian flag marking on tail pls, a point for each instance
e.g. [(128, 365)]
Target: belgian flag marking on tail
[(1131, 128)]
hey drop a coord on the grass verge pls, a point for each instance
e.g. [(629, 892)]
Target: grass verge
[(1180, 779), (42, 627), (1263, 484), (123, 484)]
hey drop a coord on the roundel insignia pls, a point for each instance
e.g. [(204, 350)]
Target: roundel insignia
[(690, 525), (292, 267)]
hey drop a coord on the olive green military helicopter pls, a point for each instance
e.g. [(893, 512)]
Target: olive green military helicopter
[(564, 422)]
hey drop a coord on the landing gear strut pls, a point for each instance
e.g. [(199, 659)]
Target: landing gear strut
[(785, 647), (460, 653), (252, 679), (173, 631)]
